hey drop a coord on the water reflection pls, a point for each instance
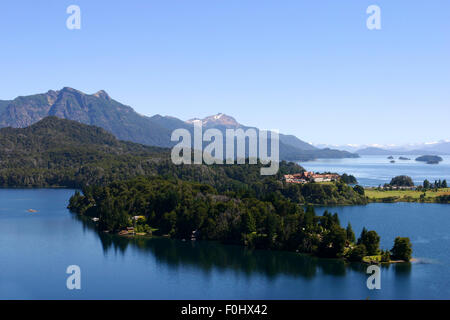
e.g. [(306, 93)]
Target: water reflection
[(402, 269), (209, 255)]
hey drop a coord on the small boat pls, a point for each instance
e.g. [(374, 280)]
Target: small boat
[(32, 210)]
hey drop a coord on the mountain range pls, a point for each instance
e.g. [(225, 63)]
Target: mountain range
[(101, 110), (373, 151), (433, 148)]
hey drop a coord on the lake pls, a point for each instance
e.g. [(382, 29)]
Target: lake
[(372, 171), (36, 248)]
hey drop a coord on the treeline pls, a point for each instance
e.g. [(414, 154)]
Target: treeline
[(348, 179), (406, 181), (270, 220), (438, 184)]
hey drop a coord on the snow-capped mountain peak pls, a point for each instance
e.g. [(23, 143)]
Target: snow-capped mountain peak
[(219, 119)]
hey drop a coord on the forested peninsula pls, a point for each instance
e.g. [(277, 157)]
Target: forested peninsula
[(268, 219)]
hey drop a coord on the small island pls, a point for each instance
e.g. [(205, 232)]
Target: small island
[(404, 158), (390, 157), (429, 159)]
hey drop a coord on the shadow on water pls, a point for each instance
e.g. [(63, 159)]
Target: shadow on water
[(210, 255), (403, 269)]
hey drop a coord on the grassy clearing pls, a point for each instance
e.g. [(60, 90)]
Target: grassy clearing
[(375, 195), (372, 259), (377, 260)]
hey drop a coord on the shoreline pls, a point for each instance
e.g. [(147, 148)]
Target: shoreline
[(375, 195), (389, 262), (346, 261), (385, 200)]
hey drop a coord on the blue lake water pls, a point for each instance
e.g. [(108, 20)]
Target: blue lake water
[(377, 170), (36, 248)]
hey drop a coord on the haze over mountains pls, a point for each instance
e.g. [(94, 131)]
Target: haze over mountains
[(222, 122), (434, 148), (101, 110)]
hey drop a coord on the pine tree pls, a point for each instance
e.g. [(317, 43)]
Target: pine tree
[(350, 234), (309, 217), (336, 219), (385, 256), (362, 236), (248, 223), (371, 240)]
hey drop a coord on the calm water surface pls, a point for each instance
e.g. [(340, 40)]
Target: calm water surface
[(377, 170), (36, 248)]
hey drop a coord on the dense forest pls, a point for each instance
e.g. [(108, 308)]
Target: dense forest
[(268, 220), (63, 153)]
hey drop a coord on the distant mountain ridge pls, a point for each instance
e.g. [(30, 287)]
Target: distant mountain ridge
[(372, 151), (222, 122), (99, 109), (60, 152), (440, 147), (53, 134), (219, 119)]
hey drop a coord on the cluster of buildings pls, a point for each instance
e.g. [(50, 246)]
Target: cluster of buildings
[(308, 176)]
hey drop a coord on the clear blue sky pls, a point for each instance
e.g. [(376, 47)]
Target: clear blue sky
[(310, 68)]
